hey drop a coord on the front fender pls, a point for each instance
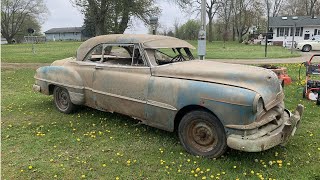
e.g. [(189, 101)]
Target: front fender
[(61, 76)]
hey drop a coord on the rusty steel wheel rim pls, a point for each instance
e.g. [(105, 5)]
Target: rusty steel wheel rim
[(62, 99), (202, 135)]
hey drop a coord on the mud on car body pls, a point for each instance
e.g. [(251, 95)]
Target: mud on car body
[(156, 80)]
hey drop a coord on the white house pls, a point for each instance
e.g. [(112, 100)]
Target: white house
[(303, 28), (68, 33)]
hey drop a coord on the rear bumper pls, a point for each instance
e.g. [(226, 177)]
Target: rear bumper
[(278, 136), (36, 88)]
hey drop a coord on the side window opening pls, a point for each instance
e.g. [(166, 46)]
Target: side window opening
[(123, 55)]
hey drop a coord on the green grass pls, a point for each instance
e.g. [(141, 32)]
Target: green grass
[(48, 52), (234, 50), (64, 146), (45, 53)]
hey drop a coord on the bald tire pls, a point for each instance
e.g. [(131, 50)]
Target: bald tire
[(201, 133)]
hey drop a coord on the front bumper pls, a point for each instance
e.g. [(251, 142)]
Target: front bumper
[(278, 136)]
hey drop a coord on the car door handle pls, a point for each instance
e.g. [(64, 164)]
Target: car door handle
[(98, 67)]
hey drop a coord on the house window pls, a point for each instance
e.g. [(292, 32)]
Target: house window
[(281, 32), (291, 31), (286, 31), (299, 31), (317, 32)]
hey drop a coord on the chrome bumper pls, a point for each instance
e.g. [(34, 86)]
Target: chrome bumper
[(36, 88), (276, 137)]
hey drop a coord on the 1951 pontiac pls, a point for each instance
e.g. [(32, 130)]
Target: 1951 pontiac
[(156, 80)]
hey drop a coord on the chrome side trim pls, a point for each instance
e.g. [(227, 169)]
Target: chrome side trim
[(222, 101), (117, 96), (161, 105)]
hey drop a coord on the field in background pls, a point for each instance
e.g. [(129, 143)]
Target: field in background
[(50, 51), (38, 142)]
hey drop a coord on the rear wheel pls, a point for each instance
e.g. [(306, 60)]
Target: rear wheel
[(62, 100), (306, 48), (201, 133)]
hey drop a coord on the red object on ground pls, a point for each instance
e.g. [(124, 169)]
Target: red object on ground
[(281, 72)]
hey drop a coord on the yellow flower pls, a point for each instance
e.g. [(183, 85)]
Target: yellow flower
[(117, 178), (30, 167), (179, 170), (198, 169), (83, 176), (204, 177), (234, 167), (208, 170), (252, 172), (104, 165)]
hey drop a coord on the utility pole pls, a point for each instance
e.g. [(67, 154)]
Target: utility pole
[(267, 34), (202, 32)]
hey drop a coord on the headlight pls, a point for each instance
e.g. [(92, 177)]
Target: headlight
[(258, 105)]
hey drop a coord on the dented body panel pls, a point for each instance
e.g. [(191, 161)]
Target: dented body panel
[(247, 100)]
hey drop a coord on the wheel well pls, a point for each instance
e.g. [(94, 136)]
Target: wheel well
[(51, 88), (307, 45), (186, 110)]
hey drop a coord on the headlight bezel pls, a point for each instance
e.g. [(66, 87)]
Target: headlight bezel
[(258, 105)]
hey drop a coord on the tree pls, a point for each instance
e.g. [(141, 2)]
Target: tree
[(14, 14), (301, 7), (188, 31), (113, 16), (212, 6), (244, 11), (30, 22), (225, 14)]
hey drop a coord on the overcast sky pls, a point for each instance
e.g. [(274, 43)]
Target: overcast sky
[(63, 14)]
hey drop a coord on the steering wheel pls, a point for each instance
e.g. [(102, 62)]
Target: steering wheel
[(178, 58)]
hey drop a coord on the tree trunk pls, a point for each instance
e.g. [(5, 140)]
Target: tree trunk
[(210, 36)]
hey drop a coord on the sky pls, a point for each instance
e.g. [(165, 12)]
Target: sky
[(63, 14)]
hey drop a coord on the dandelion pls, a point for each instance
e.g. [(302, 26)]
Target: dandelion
[(30, 167), (117, 178), (83, 176), (195, 175), (234, 167), (252, 172), (21, 170), (208, 170), (198, 169), (78, 139), (212, 176), (55, 176), (104, 165), (188, 160), (179, 170), (204, 177)]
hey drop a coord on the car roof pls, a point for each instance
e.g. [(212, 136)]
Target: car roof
[(146, 40)]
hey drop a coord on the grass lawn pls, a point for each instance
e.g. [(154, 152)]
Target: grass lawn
[(48, 52), (38, 142)]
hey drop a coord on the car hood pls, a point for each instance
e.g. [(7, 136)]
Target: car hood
[(262, 81)]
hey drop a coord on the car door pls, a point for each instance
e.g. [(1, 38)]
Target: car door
[(120, 81)]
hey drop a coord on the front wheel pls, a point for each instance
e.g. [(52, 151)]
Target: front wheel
[(62, 100), (201, 133), (306, 48)]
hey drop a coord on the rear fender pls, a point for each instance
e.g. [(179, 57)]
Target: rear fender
[(64, 77)]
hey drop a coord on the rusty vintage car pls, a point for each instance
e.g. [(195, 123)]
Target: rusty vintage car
[(156, 80)]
